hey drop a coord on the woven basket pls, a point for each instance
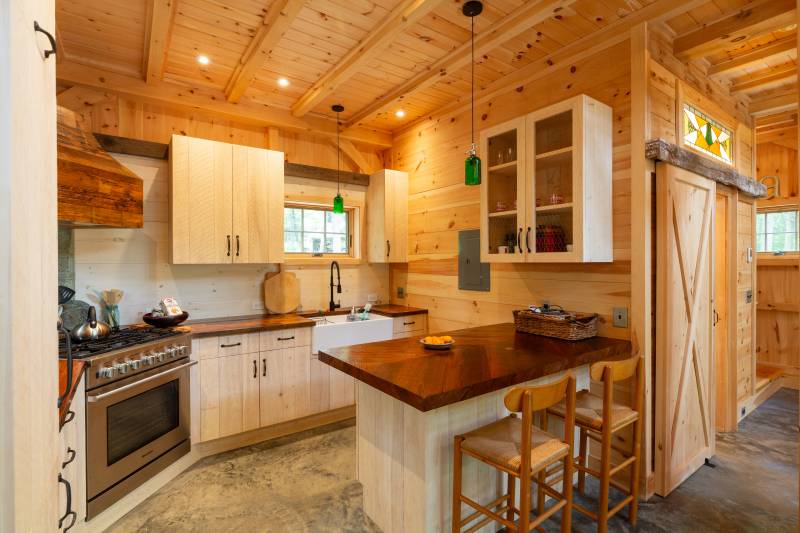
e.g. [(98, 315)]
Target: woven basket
[(582, 326)]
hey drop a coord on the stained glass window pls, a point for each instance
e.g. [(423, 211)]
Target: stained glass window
[(706, 135)]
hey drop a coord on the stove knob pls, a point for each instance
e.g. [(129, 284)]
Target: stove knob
[(122, 368), (134, 364), (171, 351), (159, 356), (182, 349), (144, 360), (107, 372)]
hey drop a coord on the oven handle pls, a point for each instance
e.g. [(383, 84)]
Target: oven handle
[(98, 397)]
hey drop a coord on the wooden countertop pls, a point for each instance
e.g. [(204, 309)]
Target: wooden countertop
[(78, 367), (232, 326), (483, 360), (249, 324)]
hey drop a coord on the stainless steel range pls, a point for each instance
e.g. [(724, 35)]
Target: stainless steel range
[(137, 409)]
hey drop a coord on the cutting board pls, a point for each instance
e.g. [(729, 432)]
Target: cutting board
[(281, 292)]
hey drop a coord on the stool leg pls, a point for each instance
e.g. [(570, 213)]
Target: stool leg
[(582, 461), (512, 490), (605, 476), (456, 515), (637, 452), (524, 501), (566, 489)]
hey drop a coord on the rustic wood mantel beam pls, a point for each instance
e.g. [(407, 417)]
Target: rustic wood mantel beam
[(213, 101), (510, 26), (277, 20), (158, 32), (403, 16), (753, 19)]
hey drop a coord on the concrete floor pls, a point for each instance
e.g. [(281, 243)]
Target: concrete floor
[(306, 483)]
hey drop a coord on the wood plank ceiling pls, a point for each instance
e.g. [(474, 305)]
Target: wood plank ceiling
[(377, 57)]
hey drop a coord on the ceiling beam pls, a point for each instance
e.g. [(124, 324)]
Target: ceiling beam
[(355, 157), (584, 47), (753, 19), (764, 77), (158, 32), (277, 20), (753, 56), (505, 29), (786, 118), (774, 102), (213, 101), (403, 16)]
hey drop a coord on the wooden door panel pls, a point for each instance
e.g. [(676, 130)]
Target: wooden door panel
[(251, 194), (270, 389), (684, 360), (297, 381), (251, 373), (231, 395)]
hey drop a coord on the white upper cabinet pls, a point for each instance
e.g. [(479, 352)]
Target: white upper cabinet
[(226, 203), (546, 186)]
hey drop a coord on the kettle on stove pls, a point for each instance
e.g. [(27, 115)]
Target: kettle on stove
[(92, 329)]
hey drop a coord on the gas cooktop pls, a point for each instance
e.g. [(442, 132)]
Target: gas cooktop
[(123, 338)]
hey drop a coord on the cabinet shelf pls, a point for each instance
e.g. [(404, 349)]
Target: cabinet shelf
[(554, 208), (501, 214), (504, 169), (555, 153)]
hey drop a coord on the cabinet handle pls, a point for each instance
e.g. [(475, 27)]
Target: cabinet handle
[(69, 512), (230, 345), (52, 51), (264, 362), (255, 369), (229, 245), (519, 240), (71, 453), (528, 239), (388, 248), (408, 323), (286, 338), (237, 246)]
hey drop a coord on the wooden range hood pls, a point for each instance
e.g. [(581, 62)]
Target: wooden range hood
[(93, 188)]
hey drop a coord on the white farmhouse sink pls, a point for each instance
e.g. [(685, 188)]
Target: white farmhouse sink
[(335, 331)]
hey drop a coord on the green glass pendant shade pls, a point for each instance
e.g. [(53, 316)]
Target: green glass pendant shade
[(338, 204), (472, 170)]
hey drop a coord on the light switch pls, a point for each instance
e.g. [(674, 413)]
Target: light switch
[(620, 317)]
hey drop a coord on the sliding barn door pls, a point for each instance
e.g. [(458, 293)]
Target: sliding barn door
[(684, 329)]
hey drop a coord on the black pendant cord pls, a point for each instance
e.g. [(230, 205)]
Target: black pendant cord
[(338, 153), (472, 83)]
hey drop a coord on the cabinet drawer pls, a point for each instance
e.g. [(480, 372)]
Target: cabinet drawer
[(285, 338), (209, 347), (403, 324)]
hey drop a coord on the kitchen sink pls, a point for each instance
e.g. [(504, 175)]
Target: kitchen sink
[(335, 330)]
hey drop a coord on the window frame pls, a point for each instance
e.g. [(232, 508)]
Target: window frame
[(766, 213), (354, 227)]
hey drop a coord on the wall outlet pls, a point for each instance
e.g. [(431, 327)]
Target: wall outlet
[(401, 292), (620, 317), (372, 297)]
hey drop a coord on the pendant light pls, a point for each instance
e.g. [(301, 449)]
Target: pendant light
[(472, 165), (338, 201)]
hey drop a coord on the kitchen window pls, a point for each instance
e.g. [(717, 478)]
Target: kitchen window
[(316, 231), (777, 231)]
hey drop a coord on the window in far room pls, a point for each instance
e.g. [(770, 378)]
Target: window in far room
[(777, 231)]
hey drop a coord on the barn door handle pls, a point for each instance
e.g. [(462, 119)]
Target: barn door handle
[(716, 317), (52, 51)]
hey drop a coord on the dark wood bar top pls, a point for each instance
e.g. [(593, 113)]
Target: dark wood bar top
[(235, 325), (482, 360), (77, 372), (394, 310)]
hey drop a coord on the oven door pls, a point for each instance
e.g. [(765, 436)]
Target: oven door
[(134, 421)]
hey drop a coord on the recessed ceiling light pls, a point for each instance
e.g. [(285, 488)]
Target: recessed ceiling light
[(283, 82), (203, 60), (399, 113)]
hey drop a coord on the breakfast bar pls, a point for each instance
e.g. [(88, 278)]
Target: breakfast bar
[(412, 401)]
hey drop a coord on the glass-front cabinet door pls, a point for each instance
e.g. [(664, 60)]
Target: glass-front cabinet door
[(503, 194)]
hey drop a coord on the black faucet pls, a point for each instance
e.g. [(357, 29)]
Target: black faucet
[(331, 305)]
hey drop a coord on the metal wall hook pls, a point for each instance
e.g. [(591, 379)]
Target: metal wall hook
[(52, 51)]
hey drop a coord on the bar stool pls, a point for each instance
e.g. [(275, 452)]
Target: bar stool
[(599, 418), (523, 452)]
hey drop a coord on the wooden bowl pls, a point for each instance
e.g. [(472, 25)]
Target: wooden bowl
[(164, 322)]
